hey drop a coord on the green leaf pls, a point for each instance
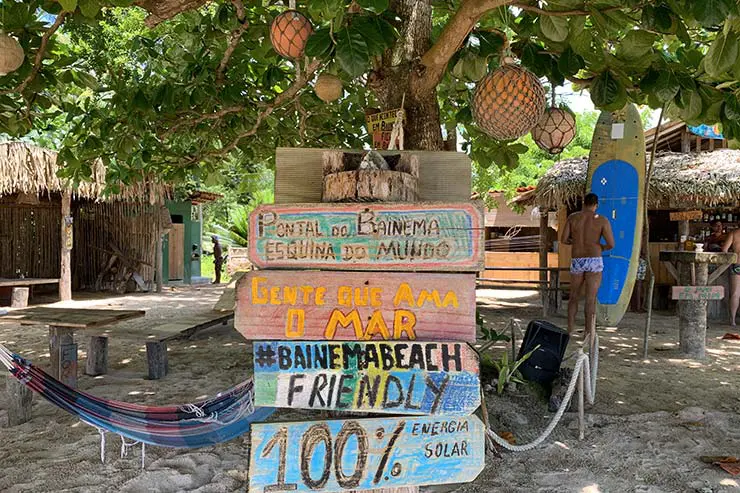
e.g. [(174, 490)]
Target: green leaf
[(319, 44), (722, 55), (490, 43), (636, 44), (732, 107), (376, 6), (554, 28), (607, 92), (352, 53), (657, 18), (570, 62), (68, 5), (377, 33), (712, 12), (89, 8), (666, 87)]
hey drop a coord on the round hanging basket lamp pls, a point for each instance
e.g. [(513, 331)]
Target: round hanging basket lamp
[(508, 102), (328, 87), (11, 54), (289, 33), (555, 130)]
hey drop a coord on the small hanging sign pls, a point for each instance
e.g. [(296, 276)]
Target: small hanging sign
[(380, 126)]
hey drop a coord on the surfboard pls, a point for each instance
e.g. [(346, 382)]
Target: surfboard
[(616, 173)]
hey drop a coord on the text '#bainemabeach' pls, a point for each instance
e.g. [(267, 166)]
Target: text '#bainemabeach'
[(411, 378), (357, 236)]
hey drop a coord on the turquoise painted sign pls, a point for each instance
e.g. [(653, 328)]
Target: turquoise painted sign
[(344, 455), (708, 131), (422, 237), (439, 378)]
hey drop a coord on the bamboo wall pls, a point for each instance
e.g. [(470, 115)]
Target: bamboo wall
[(30, 242), (29, 238), (131, 227)]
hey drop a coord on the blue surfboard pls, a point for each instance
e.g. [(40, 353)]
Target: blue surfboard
[(616, 173)]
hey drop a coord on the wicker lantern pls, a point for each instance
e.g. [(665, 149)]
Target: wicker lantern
[(508, 102), (328, 87), (289, 33), (555, 130), (11, 54)]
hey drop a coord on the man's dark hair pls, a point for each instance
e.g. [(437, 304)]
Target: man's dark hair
[(591, 199), (716, 221)]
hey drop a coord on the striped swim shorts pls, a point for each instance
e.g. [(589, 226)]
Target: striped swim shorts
[(586, 264)]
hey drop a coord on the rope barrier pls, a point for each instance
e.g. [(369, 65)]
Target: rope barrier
[(586, 366)]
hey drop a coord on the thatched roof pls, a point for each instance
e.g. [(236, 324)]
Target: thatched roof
[(29, 169), (679, 181)]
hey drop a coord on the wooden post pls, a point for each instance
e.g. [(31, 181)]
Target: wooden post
[(156, 358), (65, 274), (692, 314), (19, 402), (19, 298), (158, 253), (685, 142), (543, 262), (683, 229), (97, 356), (63, 359)]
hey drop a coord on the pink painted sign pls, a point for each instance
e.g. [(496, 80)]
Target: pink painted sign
[(697, 292), (415, 237), (355, 306)]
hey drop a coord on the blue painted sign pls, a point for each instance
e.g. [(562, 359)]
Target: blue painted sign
[(343, 455), (708, 131), (439, 378), (421, 237)]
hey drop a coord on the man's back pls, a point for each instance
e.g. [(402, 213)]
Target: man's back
[(732, 242), (586, 230)]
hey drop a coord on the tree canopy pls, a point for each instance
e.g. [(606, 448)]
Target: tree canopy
[(174, 88)]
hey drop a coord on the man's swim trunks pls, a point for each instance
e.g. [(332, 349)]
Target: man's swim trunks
[(735, 269), (586, 264)]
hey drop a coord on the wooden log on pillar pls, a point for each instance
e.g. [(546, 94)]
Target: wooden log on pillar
[(19, 297), (543, 262), (692, 314), (156, 358), (97, 356), (19, 398), (59, 337), (65, 274)]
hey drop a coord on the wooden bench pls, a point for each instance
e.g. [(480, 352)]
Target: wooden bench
[(21, 289)]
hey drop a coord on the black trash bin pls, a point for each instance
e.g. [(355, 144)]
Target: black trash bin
[(544, 364)]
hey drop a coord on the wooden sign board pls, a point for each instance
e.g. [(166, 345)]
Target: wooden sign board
[(418, 237), (380, 126), (345, 455), (685, 216), (697, 292), (408, 378), (313, 305)]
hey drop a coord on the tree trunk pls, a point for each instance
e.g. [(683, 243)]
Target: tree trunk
[(398, 76)]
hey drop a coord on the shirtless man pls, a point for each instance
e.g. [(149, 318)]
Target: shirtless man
[(584, 230), (733, 241)]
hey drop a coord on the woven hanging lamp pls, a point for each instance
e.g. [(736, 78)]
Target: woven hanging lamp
[(11, 54), (289, 33), (508, 102), (328, 87), (555, 130)]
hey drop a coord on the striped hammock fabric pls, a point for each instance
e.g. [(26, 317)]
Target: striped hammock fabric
[(216, 420)]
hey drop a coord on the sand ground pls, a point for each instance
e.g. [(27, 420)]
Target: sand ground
[(652, 420)]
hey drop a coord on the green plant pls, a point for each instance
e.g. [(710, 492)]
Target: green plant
[(489, 335), (508, 372)]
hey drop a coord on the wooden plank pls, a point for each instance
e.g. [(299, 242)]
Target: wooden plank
[(19, 297), (685, 216), (697, 292), (408, 378), (78, 318), (341, 455), (299, 175), (717, 272), (671, 269), (311, 305), (176, 252), (25, 282), (420, 237)]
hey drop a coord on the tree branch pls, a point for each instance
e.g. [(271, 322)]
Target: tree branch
[(161, 10), (454, 33), (39, 54), (241, 13), (561, 13), (210, 116), (281, 99), (234, 39)]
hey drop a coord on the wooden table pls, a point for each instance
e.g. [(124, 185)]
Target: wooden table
[(550, 288), (63, 322), (692, 269), (21, 289)]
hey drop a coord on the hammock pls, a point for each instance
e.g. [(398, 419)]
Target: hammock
[(216, 420)]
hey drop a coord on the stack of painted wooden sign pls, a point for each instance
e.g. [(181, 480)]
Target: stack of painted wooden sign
[(376, 330)]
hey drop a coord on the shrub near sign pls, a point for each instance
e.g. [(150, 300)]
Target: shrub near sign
[(409, 378), (429, 237), (343, 455), (308, 305)]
